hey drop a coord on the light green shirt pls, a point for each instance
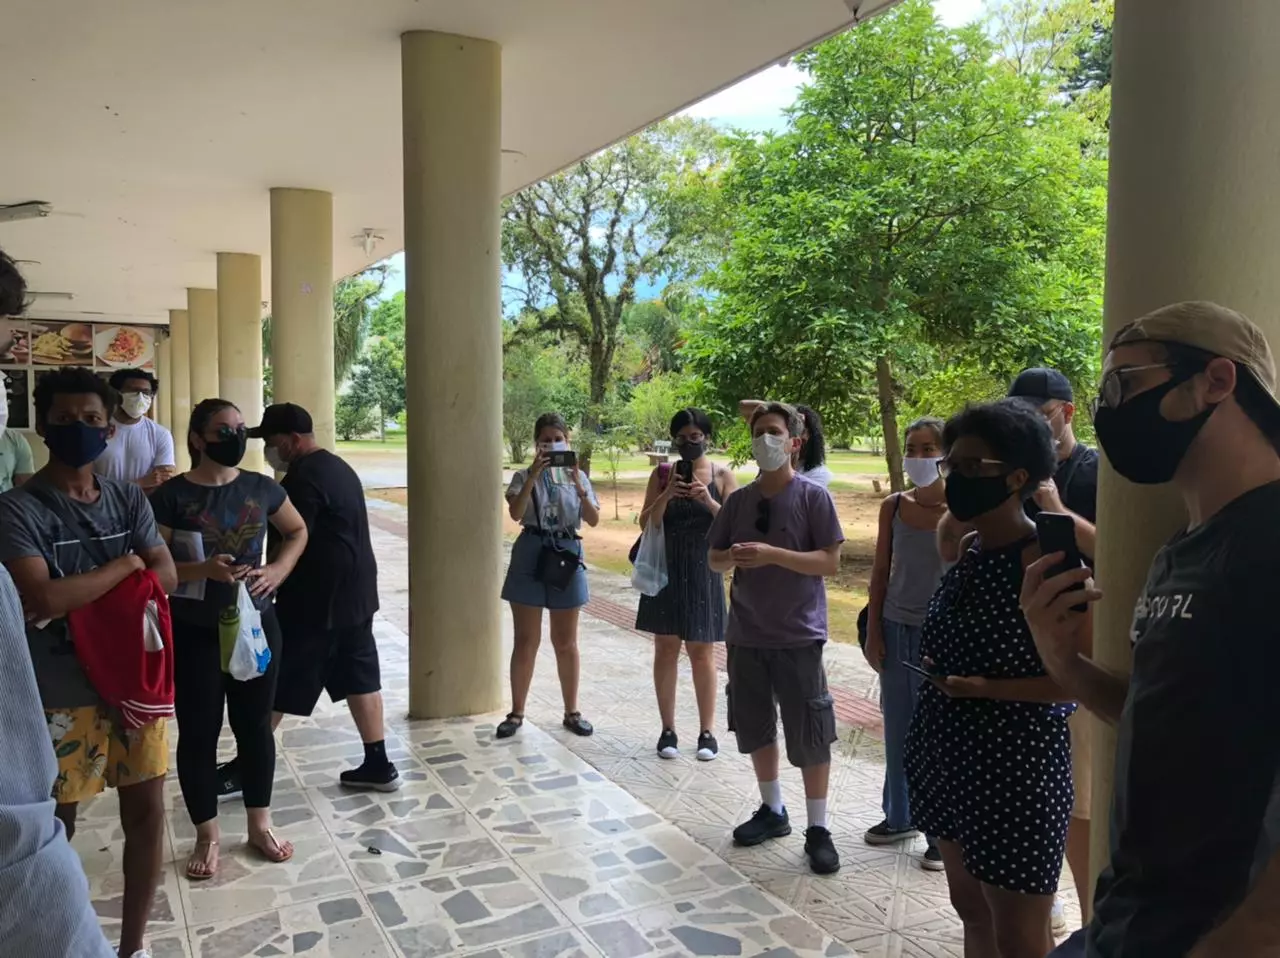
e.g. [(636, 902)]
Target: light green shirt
[(15, 458)]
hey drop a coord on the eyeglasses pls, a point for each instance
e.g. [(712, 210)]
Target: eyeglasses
[(692, 440), (230, 432), (764, 509), (970, 466), (1112, 393)]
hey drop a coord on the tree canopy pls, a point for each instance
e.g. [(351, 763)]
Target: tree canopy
[(929, 203), (582, 241)]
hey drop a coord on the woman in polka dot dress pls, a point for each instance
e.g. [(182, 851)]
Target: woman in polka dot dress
[(988, 756)]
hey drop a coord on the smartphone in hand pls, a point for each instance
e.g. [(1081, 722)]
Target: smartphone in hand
[(920, 670), (564, 459), (1056, 532), (684, 470)]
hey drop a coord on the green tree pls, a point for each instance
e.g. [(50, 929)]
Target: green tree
[(388, 318), (925, 200), (582, 240), (654, 402), (537, 377), (379, 379), (353, 417)]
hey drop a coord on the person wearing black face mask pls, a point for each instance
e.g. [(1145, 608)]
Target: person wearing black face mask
[(684, 500), (215, 519), (988, 754), (60, 569), (1187, 397)]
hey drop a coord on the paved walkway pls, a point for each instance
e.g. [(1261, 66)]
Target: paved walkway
[(546, 846)]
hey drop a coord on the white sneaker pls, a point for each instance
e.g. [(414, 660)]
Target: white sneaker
[(1058, 917), (142, 954)]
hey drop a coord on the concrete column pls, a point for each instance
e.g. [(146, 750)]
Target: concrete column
[(452, 102), (177, 383), (1193, 214), (240, 341), (202, 313), (163, 410), (302, 304)]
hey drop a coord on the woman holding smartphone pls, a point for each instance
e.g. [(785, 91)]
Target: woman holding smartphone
[(904, 576), (550, 504), (682, 501), (222, 513), (988, 755)]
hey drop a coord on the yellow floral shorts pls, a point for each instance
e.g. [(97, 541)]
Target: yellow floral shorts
[(93, 750)]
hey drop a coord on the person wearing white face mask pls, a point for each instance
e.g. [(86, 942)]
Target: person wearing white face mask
[(780, 536), (141, 450), (16, 466), (904, 576)]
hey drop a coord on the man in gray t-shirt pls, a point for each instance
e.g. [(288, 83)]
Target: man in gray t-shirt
[(780, 536), (68, 538)]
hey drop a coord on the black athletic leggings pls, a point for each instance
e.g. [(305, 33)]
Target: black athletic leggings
[(200, 689)]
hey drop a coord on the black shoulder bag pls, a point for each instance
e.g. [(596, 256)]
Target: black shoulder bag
[(864, 617), (556, 567)]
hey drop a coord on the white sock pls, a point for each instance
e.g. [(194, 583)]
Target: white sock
[(771, 795), (817, 809)]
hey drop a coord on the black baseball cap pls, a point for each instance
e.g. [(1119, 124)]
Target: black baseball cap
[(1042, 385), (281, 419)]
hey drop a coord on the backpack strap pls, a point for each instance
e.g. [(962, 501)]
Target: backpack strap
[(664, 474), (93, 548)]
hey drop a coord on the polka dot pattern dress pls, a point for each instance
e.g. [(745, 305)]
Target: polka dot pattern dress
[(992, 776)]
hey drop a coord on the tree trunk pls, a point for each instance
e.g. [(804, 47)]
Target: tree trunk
[(382, 424), (616, 517), (889, 423)]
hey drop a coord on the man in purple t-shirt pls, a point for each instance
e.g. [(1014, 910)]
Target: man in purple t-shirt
[(780, 536)]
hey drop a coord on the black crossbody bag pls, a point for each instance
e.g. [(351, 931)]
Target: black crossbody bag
[(556, 567)]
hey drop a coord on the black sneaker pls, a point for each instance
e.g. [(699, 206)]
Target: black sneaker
[(708, 747), (821, 851), (932, 860), (668, 744), (764, 825), (371, 777), (882, 834), (229, 786)]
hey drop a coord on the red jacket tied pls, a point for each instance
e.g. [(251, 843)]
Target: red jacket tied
[(124, 643)]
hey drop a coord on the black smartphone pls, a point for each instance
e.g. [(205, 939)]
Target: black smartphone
[(565, 459), (920, 670), (1056, 532), (684, 470)]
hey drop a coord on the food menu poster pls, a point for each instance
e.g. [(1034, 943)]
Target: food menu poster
[(30, 346)]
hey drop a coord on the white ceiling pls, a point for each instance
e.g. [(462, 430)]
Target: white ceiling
[(156, 127)]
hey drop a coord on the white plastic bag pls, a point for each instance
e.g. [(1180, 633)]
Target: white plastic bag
[(250, 654), (649, 575)]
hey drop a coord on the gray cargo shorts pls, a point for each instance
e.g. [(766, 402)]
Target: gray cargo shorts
[(764, 681)]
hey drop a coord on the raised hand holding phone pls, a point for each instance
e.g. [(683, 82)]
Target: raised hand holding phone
[(1056, 532)]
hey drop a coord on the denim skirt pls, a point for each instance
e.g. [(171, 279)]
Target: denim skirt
[(522, 585)]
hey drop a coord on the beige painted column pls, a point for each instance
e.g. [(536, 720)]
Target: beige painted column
[(1193, 214), (177, 383), (202, 313), (452, 102), (302, 304), (240, 341), (163, 410)]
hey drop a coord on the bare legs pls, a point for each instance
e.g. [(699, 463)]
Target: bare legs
[(997, 923), (1078, 859), (666, 662), (524, 657), (366, 711)]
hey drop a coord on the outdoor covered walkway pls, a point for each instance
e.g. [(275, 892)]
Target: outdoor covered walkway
[(546, 846)]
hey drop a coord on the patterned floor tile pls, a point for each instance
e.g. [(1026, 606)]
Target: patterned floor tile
[(738, 921), (627, 872), (484, 907), (416, 848), (341, 927)]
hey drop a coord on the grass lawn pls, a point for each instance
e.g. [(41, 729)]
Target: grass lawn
[(607, 545), (395, 443)]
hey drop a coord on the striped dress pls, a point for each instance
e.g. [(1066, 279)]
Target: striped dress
[(692, 604)]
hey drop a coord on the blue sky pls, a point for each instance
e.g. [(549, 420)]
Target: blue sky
[(756, 103)]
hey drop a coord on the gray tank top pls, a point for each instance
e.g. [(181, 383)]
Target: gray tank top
[(914, 574)]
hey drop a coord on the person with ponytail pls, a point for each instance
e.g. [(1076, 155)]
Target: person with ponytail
[(216, 517)]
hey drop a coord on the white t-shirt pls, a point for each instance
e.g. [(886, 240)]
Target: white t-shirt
[(819, 474), (135, 450)]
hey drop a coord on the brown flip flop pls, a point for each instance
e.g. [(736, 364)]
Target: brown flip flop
[(193, 861)]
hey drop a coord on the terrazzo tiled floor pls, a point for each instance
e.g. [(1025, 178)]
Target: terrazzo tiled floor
[(545, 846)]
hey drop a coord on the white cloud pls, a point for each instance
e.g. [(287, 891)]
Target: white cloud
[(957, 13)]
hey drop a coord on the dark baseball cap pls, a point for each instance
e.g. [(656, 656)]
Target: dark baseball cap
[(281, 419), (1042, 385)]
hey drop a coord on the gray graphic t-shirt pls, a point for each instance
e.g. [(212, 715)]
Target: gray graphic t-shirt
[(121, 521)]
